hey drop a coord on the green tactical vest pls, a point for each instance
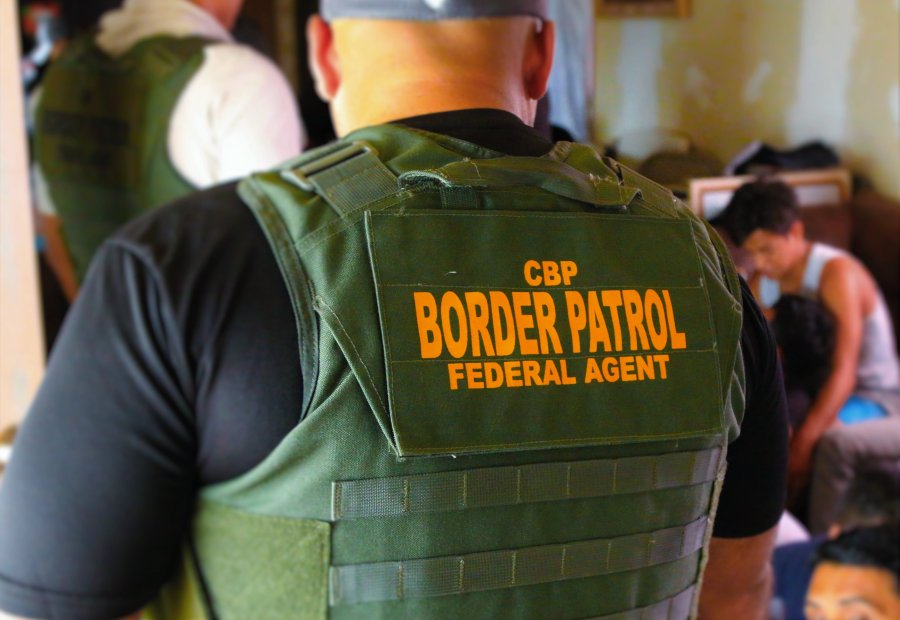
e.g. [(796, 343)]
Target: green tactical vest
[(521, 375), (101, 135)]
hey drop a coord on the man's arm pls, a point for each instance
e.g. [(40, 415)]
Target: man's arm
[(841, 294), (57, 255), (50, 228), (99, 490), (738, 578)]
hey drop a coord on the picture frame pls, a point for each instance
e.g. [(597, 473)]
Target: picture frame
[(642, 8), (709, 196)]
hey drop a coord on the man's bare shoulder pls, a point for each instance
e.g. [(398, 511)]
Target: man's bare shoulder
[(844, 277)]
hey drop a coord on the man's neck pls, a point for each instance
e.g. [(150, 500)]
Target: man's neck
[(415, 68), (417, 99)]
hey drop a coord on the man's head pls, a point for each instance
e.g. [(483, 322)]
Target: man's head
[(225, 11), (377, 61), (804, 333), (857, 575), (762, 217)]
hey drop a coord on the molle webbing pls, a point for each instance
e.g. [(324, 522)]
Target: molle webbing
[(504, 486), (386, 581), (678, 606)]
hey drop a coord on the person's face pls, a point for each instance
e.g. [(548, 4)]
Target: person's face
[(844, 592), (773, 254)]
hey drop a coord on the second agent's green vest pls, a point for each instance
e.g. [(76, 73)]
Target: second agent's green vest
[(521, 375), (101, 135)]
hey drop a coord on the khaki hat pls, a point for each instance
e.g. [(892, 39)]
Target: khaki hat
[(430, 10)]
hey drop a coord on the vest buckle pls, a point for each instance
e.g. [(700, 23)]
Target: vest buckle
[(300, 176)]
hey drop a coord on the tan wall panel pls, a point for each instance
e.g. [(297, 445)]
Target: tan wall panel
[(21, 338), (781, 72)]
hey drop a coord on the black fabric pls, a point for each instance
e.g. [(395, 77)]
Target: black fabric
[(178, 367), (755, 487), (492, 129)]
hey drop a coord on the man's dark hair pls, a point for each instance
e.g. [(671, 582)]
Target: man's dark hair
[(804, 330), (766, 203), (874, 547), (873, 499)]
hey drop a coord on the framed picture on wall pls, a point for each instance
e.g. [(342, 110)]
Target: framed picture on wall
[(708, 197), (643, 8)]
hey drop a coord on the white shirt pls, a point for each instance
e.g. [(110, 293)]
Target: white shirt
[(237, 113), (878, 367)]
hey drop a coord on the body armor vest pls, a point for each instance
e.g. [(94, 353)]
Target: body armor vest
[(101, 135), (520, 373)]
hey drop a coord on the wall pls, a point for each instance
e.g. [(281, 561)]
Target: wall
[(276, 23), (781, 71), (21, 337)]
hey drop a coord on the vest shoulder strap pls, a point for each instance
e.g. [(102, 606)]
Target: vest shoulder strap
[(351, 174), (173, 51)]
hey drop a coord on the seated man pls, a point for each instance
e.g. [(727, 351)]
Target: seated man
[(763, 218), (857, 576)]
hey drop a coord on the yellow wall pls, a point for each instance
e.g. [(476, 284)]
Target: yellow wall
[(781, 71)]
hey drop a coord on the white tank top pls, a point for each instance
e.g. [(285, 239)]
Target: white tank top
[(878, 366)]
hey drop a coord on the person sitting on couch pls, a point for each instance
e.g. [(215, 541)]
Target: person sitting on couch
[(763, 218)]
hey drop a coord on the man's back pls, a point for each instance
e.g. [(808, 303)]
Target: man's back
[(368, 485), (212, 416)]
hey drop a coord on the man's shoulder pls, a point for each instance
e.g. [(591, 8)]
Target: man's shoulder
[(210, 204), (842, 272), (206, 221), (204, 253), (831, 258)]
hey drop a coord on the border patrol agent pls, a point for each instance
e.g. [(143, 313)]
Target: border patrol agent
[(486, 445), (520, 374), (155, 103)]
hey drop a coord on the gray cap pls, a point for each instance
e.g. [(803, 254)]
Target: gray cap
[(430, 10)]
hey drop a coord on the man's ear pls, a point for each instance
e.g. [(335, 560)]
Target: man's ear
[(323, 60), (797, 230), (539, 60)]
